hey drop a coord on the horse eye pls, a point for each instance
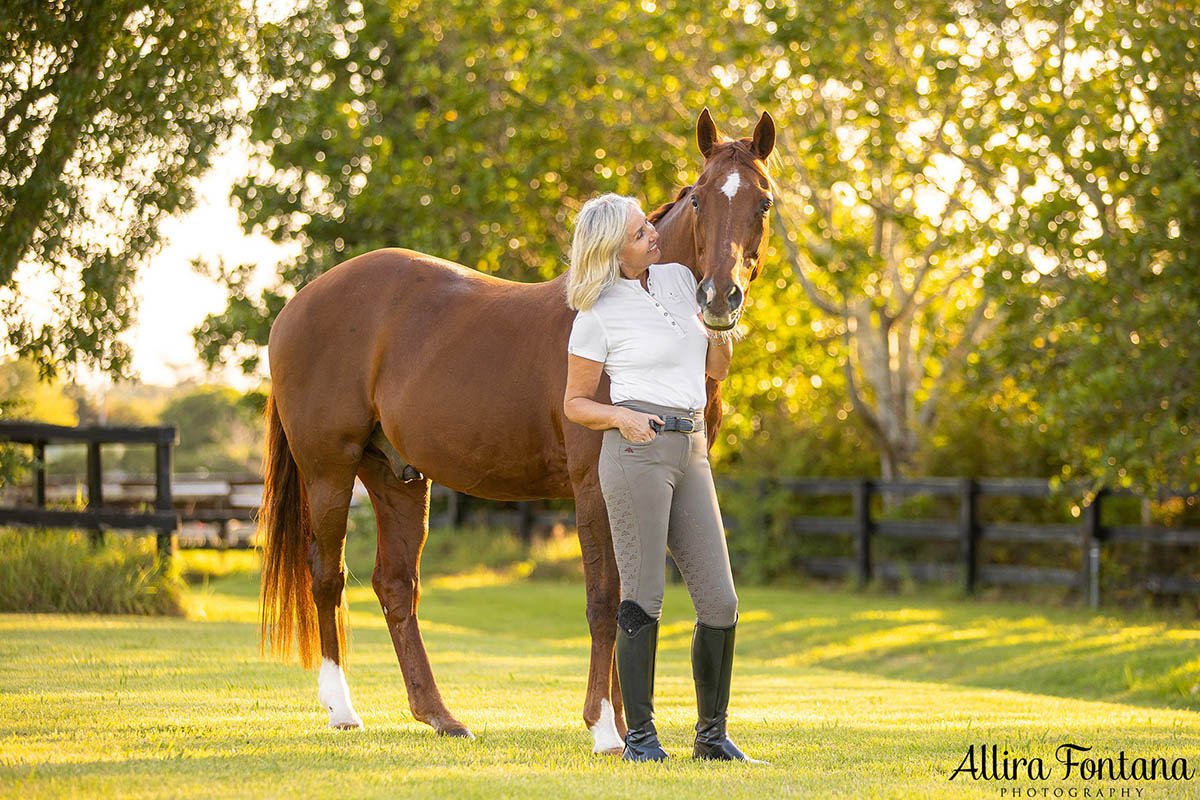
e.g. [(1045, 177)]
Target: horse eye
[(695, 202), (766, 206)]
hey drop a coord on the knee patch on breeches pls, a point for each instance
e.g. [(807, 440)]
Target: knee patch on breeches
[(631, 617)]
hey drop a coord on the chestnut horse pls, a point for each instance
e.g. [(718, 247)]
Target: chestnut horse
[(400, 368)]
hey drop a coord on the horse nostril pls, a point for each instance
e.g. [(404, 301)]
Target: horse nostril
[(705, 293), (734, 297)]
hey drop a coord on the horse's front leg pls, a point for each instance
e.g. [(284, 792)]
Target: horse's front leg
[(603, 712), (402, 522)]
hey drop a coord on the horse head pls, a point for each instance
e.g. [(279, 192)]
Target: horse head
[(729, 208)]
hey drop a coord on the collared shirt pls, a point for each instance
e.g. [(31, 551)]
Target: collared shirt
[(652, 343)]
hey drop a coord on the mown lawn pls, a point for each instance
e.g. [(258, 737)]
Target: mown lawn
[(847, 695)]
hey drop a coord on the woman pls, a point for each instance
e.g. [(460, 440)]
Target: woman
[(639, 322)]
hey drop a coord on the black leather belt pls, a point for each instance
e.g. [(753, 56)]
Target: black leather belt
[(682, 424)]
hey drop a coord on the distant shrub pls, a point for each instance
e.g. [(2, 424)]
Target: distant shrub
[(60, 571), (197, 566)]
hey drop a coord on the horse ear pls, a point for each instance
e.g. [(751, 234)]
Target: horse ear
[(706, 133), (764, 137)]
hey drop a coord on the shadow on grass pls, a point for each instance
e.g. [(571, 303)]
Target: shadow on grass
[(1061, 652), (1070, 653)]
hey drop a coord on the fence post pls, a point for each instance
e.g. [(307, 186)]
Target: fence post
[(39, 474), (968, 531), (167, 541), (95, 488), (862, 535), (525, 520), (762, 488), (1091, 540)]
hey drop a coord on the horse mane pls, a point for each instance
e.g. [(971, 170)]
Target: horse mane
[(660, 212)]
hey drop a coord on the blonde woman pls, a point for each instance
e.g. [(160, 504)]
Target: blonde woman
[(639, 322)]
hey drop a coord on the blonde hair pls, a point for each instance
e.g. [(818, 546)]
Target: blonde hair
[(599, 234)]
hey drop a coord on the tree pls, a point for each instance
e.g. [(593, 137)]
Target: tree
[(940, 158), (891, 233), (220, 430), (1108, 343), (928, 174), (24, 396), (108, 110), (469, 130), (33, 399)]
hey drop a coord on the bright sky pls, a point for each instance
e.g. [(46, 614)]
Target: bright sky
[(174, 299)]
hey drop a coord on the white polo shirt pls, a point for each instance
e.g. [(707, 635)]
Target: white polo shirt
[(652, 343)]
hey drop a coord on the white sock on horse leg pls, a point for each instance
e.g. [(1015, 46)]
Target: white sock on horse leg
[(604, 732), (334, 693)]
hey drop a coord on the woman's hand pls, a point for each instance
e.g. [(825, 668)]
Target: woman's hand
[(720, 353), (635, 426)]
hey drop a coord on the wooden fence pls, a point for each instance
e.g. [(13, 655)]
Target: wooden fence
[(1088, 535), (163, 519), (221, 499)]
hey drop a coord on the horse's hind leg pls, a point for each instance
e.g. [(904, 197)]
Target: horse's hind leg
[(402, 521), (329, 495)]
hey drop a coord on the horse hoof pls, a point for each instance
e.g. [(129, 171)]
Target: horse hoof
[(611, 751), (345, 722), (461, 732)]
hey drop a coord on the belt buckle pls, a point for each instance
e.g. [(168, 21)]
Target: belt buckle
[(681, 421)]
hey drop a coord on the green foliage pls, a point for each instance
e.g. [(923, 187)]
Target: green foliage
[(60, 571), (470, 131), (29, 397), (13, 458), (23, 396), (219, 430), (201, 566), (108, 111), (990, 206), (1101, 292)]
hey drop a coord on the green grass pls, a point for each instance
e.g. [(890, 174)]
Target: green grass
[(60, 571), (847, 695)]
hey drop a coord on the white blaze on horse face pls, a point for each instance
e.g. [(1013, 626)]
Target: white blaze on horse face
[(334, 694), (604, 732), (731, 185)]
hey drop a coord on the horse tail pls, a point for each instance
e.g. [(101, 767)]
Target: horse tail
[(286, 607)]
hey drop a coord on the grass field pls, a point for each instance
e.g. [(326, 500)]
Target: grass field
[(847, 695)]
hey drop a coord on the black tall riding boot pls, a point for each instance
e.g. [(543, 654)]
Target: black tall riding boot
[(712, 667), (637, 644)]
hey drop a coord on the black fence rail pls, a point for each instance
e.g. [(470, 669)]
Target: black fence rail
[(1088, 535), (224, 499), (163, 519)]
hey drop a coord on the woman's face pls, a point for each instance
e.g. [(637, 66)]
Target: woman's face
[(640, 248)]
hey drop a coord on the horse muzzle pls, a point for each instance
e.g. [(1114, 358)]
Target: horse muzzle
[(719, 313)]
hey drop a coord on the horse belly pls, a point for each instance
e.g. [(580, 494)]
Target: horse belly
[(479, 438), (469, 454)]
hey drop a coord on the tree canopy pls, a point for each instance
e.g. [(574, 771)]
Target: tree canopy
[(108, 110), (988, 200), (986, 212)]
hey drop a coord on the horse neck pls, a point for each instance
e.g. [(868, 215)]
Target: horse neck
[(676, 236)]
